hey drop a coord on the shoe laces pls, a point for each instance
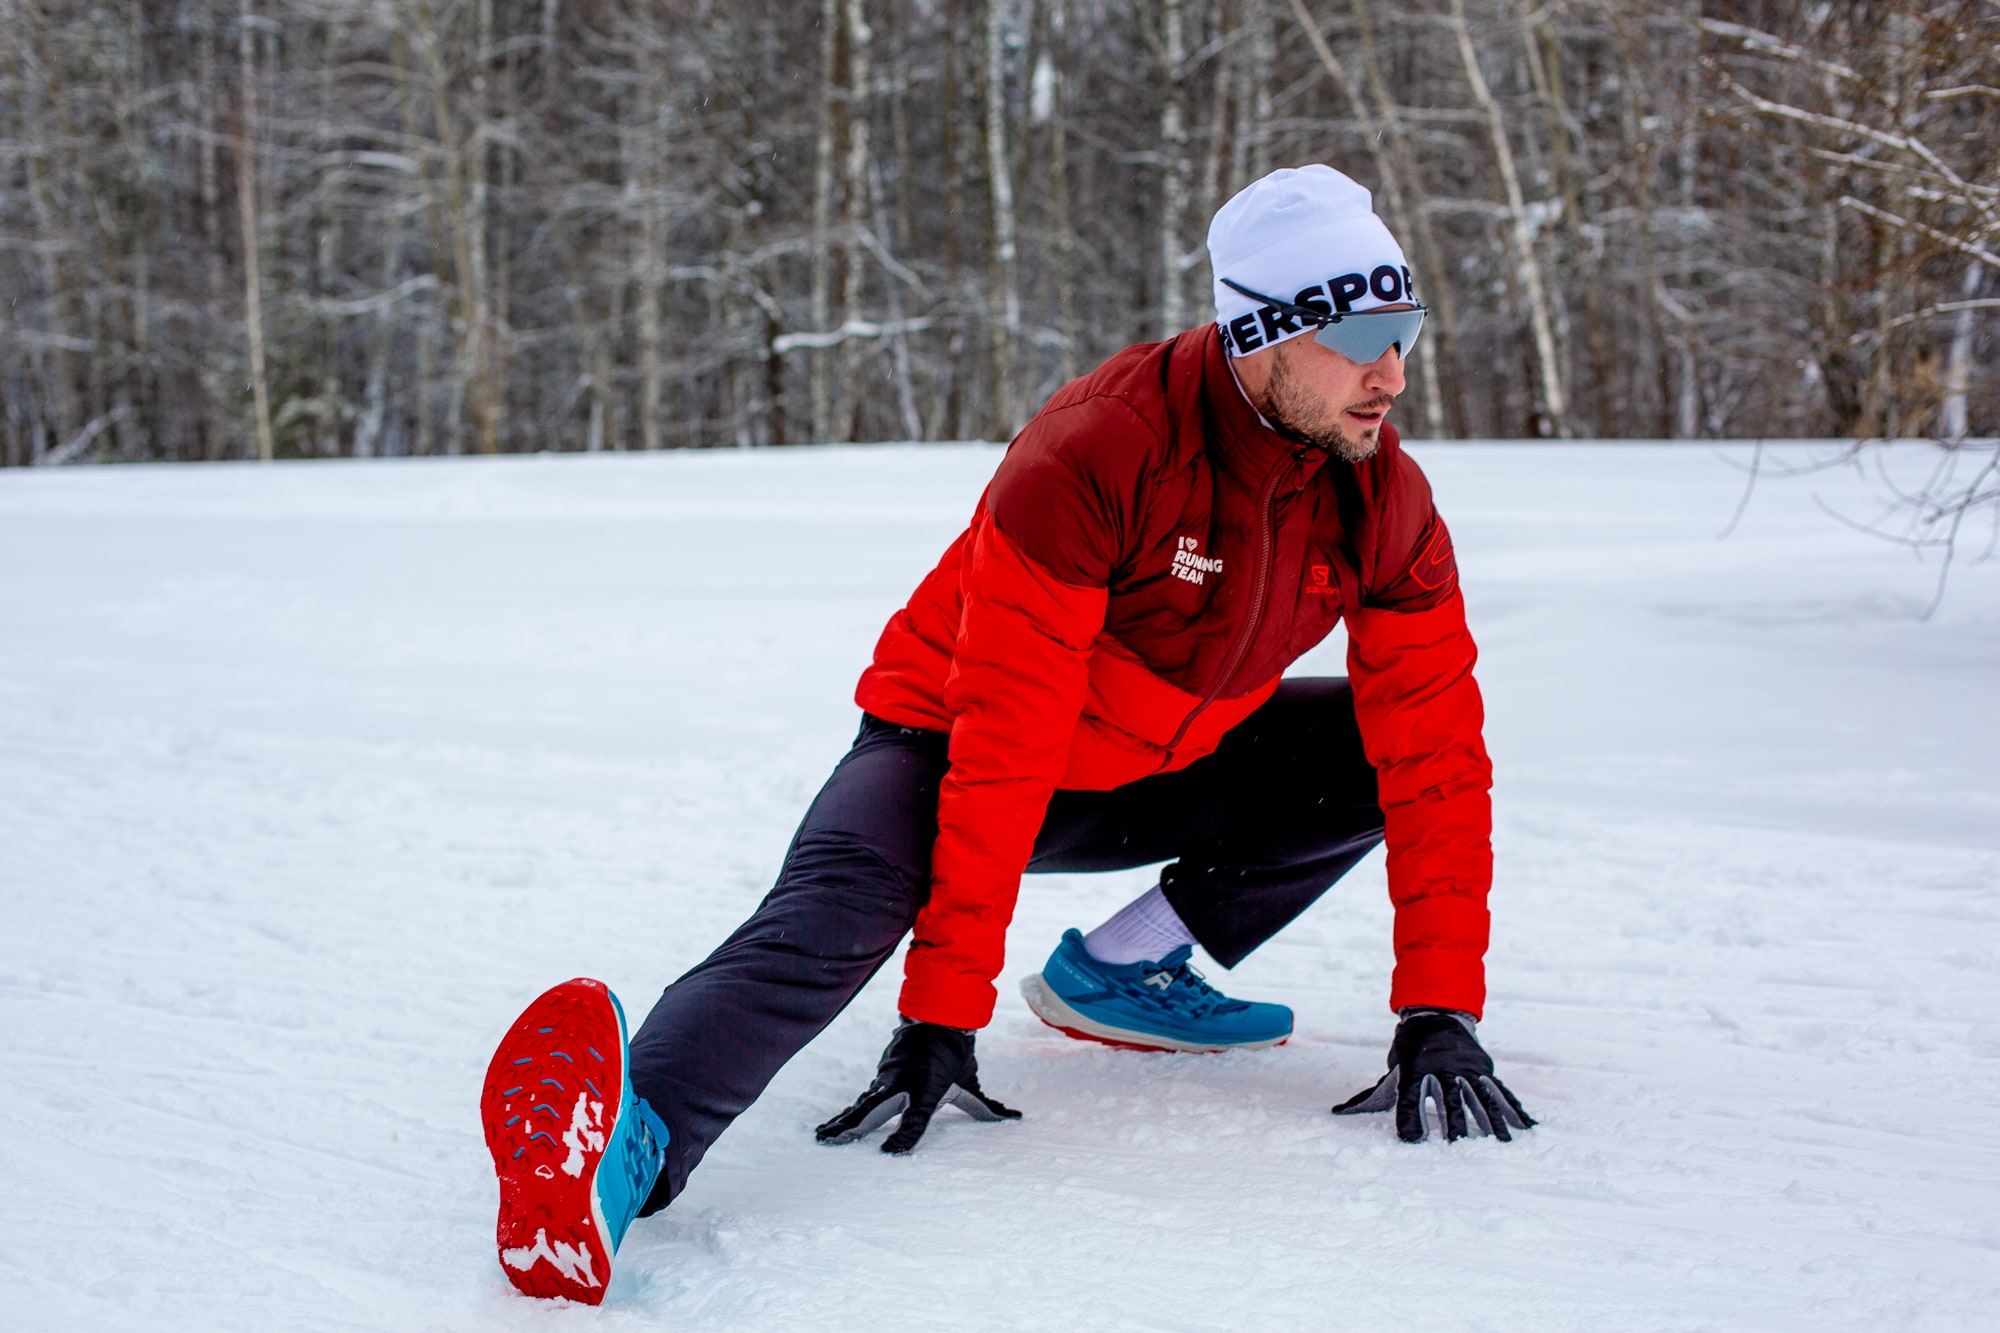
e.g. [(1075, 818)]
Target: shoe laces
[(1190, 991)]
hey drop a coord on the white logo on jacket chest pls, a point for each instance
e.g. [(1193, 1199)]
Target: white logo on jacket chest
[(1190, 564)]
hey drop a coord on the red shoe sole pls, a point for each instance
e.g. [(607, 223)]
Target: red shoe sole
[(551, 1099), (1081, 1035), (1115, 1044)]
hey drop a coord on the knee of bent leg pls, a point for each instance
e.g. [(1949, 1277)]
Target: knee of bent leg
[(1325, 700), (1311, 729)]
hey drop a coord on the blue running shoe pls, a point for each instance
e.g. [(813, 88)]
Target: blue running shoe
[(576, 1150), (1162, 1006)]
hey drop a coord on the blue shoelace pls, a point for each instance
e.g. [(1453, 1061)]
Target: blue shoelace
[(1190, 993)]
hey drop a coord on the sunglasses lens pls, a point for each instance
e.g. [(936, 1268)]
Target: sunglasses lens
[(1363, 338)]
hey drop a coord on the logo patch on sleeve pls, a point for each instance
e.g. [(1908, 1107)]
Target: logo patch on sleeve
[(1436, 566)]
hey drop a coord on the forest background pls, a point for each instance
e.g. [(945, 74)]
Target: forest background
[(318, 228)]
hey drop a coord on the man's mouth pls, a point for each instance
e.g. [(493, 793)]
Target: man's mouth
[(1372, 414)]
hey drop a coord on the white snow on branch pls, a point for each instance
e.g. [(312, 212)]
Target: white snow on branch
[(853, 328)]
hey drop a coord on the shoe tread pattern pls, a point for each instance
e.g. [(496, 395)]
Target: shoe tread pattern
[(550, 1103)]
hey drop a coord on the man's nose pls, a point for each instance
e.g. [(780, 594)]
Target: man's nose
[(1385, 373)]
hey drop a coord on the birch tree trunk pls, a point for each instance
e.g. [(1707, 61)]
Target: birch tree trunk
[(207, 162), (500, 307), (1553, 408), (821, 310), (375, 394), (1174, 174), (67, 409), (1651, 352), (651, 271), (1434, 278), (1544, 54), (899, 342), (1952, 415), (859, 192), (1263, 59), (458, 225), (481, 362), (1059, 202), (253, 248), (948, 415), (646, 183), (1005, 290), (1251, 56), (1215, 152), (1392, 189)]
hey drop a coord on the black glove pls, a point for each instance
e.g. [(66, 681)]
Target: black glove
[(1437, 1056), (926, 1064)]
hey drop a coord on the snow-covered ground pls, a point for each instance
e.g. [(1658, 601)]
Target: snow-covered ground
[(312, 775)]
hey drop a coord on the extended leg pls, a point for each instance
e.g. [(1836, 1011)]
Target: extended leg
[(857, 873)]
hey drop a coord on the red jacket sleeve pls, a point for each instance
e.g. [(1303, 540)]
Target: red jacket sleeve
[(1033, 593), (1421, 723), (1017, 684)]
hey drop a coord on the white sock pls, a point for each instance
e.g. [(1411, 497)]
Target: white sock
[(1144, 930)]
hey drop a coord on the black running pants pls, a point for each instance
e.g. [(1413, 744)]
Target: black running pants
[(1253, 834)]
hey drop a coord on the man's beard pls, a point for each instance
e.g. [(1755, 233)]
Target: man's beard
[(1291, 404)]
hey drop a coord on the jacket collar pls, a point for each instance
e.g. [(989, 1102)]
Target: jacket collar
[(1239, 441)]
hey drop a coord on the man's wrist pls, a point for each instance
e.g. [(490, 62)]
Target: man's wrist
[(907, 1022), (1467, 1021)]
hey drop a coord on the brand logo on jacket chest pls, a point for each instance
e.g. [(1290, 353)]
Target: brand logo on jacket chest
[(1320, 581), (1190, 564)]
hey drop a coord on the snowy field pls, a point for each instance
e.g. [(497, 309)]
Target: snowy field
[(312, 775)]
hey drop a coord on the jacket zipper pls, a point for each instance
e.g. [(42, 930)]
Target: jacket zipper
[(1259, 595)]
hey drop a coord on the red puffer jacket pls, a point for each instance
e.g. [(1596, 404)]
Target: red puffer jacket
[(1146, 562)]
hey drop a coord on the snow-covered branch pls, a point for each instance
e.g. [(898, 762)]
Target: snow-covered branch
[(853, 328), (1943, 238), (1918, 316)]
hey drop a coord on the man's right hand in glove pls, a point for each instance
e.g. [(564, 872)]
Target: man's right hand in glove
[(926, 1064), (1436, 1057)]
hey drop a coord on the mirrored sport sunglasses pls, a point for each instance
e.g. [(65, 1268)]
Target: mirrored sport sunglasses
[(1359, 335)]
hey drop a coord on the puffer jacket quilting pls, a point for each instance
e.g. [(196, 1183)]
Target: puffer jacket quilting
[(1147, 561)]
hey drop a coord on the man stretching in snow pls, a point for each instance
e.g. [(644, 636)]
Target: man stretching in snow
[(1090, 680)]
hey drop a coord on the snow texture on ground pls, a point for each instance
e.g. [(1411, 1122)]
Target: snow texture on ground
[(312, 775)]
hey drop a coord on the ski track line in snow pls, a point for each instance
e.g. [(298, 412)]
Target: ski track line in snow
[(311, 775)]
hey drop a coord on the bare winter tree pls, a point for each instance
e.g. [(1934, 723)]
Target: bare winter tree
[(1887, 114), (303, 228)]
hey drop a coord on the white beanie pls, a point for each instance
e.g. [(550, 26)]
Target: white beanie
[(1308, 236)]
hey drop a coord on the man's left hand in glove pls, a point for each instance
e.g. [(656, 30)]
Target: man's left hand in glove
[(1436, 1057)]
